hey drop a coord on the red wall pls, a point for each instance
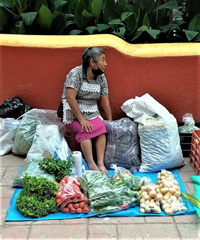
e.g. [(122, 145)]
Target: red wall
[(37, 76)]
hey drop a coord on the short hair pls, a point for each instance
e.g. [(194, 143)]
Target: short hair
[(89, 53)]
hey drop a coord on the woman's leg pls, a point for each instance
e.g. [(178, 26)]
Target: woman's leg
[(86, 147), (100, 144)]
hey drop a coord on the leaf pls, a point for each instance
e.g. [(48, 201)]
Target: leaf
[(136, 35), (125, 15), (87, 14), (195, 23), (18, 28), (75, 32), (29, 17), (59, 4), (120, 33), (190, 34), (79, 19), (101, 27), (45, 17), (168, 5), (58, 24), (91, 29), (142, 28), (115, 22), (96, 7), (153, 32), (146, 20)]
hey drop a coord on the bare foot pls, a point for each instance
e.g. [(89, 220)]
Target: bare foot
[(93, 166), (103, 169)]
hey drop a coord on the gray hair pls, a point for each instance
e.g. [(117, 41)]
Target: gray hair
[(89, 53)]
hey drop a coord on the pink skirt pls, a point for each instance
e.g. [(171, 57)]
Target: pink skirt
[(98, 129)]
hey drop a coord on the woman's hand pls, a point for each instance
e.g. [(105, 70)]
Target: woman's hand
[(85, 124)]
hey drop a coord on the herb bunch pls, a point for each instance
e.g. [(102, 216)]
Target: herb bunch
[(59, 168)]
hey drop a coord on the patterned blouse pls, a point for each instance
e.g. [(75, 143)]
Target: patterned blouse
[(88, 93)]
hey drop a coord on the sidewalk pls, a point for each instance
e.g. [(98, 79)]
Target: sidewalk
[(152, 228)]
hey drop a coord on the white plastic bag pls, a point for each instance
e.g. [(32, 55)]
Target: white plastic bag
[(8, 128), (158, 131), (189, 124)]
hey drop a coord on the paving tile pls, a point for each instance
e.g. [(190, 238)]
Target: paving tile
[(74, 221), (190, 187), (104, 231), (6, 192), (191, 218), (57, 232), (53, 222), (185, 176), (156, 219), (4, 203), (15, 232), (186, 168), (148, 232), (2, 171), (10, 160), (18, 223), (189, 231), (9, 176), (117, 220)]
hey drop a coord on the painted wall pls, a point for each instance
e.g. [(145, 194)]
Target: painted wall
[(34, 68)]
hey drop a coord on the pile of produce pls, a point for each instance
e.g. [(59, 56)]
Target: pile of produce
[(171, 201), (149, 199), (105, 197), (70, 198), (37, 198), (165, 194)]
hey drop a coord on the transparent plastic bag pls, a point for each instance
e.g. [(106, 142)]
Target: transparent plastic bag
[(189, 124), (8, 128), (122, 147), (27, 128)]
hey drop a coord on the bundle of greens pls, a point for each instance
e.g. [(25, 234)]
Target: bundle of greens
[(104, 196), (37, 198), (56, 167)]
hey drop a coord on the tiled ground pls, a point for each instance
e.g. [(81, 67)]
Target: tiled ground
[(119, 228)]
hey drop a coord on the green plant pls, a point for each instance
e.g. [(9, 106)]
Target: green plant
[(135, 21)]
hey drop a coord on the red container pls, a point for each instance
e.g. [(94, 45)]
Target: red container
[(195, 151)]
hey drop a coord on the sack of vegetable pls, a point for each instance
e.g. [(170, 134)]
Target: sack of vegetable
[(122, 146), (27, 128)]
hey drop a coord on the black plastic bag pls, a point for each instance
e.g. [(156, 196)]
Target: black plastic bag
[(60, 110), (13, 108)]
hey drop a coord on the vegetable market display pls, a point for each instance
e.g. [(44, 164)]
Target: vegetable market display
[(97, 192)]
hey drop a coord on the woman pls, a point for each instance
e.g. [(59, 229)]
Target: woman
[(85, 85)]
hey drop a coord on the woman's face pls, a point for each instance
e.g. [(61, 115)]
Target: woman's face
[(101, 63)]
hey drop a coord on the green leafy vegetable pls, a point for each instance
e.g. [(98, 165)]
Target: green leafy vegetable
[(192, 199), (56, 167), (37, 198)]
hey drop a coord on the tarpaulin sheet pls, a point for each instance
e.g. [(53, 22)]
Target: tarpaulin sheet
[(14, 215)]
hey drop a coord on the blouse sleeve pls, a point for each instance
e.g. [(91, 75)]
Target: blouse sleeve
[(104, 86), (73, 79)]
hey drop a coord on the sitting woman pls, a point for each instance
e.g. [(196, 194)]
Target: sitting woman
[(84, 86)]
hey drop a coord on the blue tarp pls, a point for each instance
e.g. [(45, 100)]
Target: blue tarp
[(14, 215)]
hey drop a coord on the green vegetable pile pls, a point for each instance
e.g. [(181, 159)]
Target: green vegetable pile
[(37, 198), (56, 167)]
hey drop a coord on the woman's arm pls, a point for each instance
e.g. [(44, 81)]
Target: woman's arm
[(104, 101), (71, 99)]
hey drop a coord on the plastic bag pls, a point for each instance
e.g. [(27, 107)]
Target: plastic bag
[(13, 108), (27, 128), (189, 124), (48, 142), (122, 147), (33, 169), (158, 132), (8, 128)]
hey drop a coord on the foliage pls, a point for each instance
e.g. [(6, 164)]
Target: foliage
[(56, 167), (135, 21), (37, 198)]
